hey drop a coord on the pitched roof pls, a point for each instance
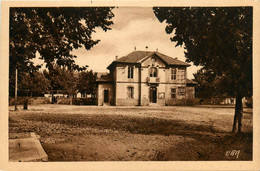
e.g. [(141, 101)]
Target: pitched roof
[(100, 74), (137, 56), (171, 61), (105, 78)]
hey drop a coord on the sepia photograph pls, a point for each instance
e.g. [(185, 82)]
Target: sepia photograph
[(130, 83)]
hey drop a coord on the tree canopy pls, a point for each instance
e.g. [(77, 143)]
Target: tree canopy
[(61, 78), (35, 83), (217, 38), (87, 82), (54, 33), (211, 85)]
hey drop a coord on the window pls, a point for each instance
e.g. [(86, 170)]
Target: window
[(173, 93), (181, 74), (153, 72), (173, 73), (181, 91), (130, 72), (130, 92)]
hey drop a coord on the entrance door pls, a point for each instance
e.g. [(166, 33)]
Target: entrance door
[(105, 96), (153, 95)]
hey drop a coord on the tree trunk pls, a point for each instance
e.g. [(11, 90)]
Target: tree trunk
[(238, 114)]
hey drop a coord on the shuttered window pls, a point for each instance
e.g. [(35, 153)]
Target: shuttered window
[(130, 92), (181, 91)]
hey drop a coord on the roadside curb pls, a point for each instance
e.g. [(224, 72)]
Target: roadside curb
[(26, 150)]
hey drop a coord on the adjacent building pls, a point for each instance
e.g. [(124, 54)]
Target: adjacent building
[(145, 78)]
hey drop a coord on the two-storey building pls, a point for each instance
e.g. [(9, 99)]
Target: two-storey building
[(145, 78)]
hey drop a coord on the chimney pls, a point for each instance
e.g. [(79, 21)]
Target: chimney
[(135, 48), (156, 49), (146, 48), (176, 58), (116, 57)]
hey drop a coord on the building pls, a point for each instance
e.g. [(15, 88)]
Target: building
[(145, 78)]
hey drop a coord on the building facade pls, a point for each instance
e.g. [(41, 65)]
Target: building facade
[(145, 78)]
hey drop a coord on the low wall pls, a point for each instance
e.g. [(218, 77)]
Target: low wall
[(126, 102), (63, 100), (31, 100)]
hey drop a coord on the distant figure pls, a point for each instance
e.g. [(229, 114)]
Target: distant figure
[(25, 104), (201, 101), (54, 100)]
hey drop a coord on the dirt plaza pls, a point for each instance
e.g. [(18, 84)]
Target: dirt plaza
[(155, 133)]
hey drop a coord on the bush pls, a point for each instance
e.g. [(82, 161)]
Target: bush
[(192, 102)]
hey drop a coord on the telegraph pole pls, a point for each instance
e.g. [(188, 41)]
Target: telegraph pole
[(15, 101)]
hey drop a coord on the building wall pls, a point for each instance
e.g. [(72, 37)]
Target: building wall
[(164, 84), (122, 71), (121, 94), (100, 93), (190, 92), (179, 99)]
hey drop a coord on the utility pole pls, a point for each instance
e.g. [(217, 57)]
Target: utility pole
[(15, 101)]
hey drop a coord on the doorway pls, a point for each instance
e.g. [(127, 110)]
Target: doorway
[(153, 95), (105, 96)]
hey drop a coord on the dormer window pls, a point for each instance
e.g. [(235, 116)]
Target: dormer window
[(153, 72), (130, 72)]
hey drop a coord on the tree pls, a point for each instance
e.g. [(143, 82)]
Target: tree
[(54, 33), (62, 78), (86, 83), (34, 83), (211, 85), (220, 40)]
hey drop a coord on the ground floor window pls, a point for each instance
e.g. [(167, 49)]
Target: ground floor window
[(173, 93), (130, 92), (181, 91)]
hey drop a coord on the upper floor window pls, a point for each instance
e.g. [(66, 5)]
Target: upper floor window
[(153, 72), (130, 92), (181, 74), (173, 73), (130, 72)]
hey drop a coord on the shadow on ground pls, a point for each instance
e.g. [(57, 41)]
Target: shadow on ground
[(135, 125), (207, 143)]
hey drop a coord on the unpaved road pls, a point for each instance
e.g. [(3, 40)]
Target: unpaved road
[(92, 133)]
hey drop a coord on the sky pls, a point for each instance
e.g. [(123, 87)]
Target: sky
[(134, 27)]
